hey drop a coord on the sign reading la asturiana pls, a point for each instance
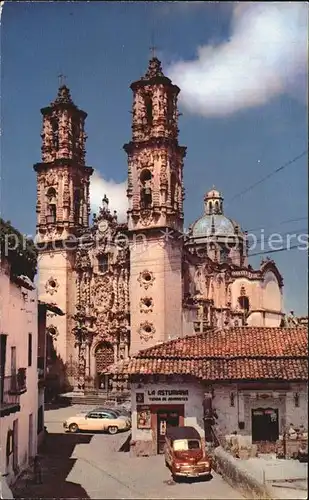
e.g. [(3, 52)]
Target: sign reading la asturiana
[(168, 395)]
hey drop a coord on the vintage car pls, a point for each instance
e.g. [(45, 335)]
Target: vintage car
[(97, 420), (184, 454)]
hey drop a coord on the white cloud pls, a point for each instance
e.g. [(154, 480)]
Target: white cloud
[(265, 56), (115, 192)]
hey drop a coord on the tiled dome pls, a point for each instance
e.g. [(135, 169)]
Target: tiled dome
[(218, 225)]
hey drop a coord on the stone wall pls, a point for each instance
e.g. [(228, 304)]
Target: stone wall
[(228, 466)]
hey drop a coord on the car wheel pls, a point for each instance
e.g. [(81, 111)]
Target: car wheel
[(112, 429), (73, 428)]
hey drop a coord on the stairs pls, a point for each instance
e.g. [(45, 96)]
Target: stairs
[(95, 399)]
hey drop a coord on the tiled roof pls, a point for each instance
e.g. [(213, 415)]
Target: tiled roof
[(248, 353)]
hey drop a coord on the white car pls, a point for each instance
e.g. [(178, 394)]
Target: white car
[(97, 420)]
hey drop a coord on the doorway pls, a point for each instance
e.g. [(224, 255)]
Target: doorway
[(30, 437), (15, 445), (165, 418), (265, 425), (104, 357)]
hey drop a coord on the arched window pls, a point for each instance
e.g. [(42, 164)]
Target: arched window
[(216, 207), (146, 193), (149, 109), (103, 263), (243, 300), (77, 207), (55, 129), (173, 190), (51, 205), (210, 207)]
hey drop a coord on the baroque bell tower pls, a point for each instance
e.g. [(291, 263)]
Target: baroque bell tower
[(62, 177), (63, 209), (155, 215)]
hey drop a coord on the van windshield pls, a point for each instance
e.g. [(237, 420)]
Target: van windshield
[(186, 444)]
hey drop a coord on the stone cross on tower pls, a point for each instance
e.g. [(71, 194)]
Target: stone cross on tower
[(61, 79), (153, 51)]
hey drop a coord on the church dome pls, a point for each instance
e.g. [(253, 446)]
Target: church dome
[(214, 222)]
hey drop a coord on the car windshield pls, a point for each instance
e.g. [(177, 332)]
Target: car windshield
[(186, 444)]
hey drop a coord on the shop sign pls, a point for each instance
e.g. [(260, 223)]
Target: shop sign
[(163, 395)]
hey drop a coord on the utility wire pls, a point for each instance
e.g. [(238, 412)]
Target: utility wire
[(292, 247), (280, 223), (279, 169)]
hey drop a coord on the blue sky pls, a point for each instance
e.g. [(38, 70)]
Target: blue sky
[(101, 48)]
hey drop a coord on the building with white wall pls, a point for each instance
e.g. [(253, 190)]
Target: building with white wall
[(258, 378), (23, 354), (19, 343)]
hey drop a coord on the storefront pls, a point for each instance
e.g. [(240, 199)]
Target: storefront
[(169, 382), (158, 406)]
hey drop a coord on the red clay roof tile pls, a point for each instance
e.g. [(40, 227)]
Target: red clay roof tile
[(247, 353)]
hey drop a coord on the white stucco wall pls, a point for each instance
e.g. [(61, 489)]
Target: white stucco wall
[(18, 318), (188, 318), (272, 296), (193, 410)]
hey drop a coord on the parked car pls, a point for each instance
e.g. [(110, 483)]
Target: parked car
[(184, 454), (116, 412), (97, 420)]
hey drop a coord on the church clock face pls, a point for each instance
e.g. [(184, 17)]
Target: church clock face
[(103, 226)]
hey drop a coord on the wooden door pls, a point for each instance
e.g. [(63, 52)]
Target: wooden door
[(265, 425)]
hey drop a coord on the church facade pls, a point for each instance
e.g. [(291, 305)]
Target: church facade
[(127, 286)]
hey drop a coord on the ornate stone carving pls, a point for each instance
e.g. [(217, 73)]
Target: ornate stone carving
[(146, 279), (146, 160), (163, 178), (51, 179), (146, 331), (82, 260), (51, 285), (146, 304), (146, 217), (103, 293)]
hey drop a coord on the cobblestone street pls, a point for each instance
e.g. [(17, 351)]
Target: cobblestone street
[(93, 466)]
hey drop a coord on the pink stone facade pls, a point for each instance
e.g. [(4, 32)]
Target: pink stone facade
[(124, 287)]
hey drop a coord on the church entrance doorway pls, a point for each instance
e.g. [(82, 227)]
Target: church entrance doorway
[(265, 425), (104, 356)]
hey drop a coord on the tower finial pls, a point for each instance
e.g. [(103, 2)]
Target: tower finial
[(62, 79), (153, 47)]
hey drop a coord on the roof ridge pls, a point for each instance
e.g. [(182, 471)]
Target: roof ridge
[(240, 356)]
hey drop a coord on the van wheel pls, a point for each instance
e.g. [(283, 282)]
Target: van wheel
[(112, 429), (73, 428)]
